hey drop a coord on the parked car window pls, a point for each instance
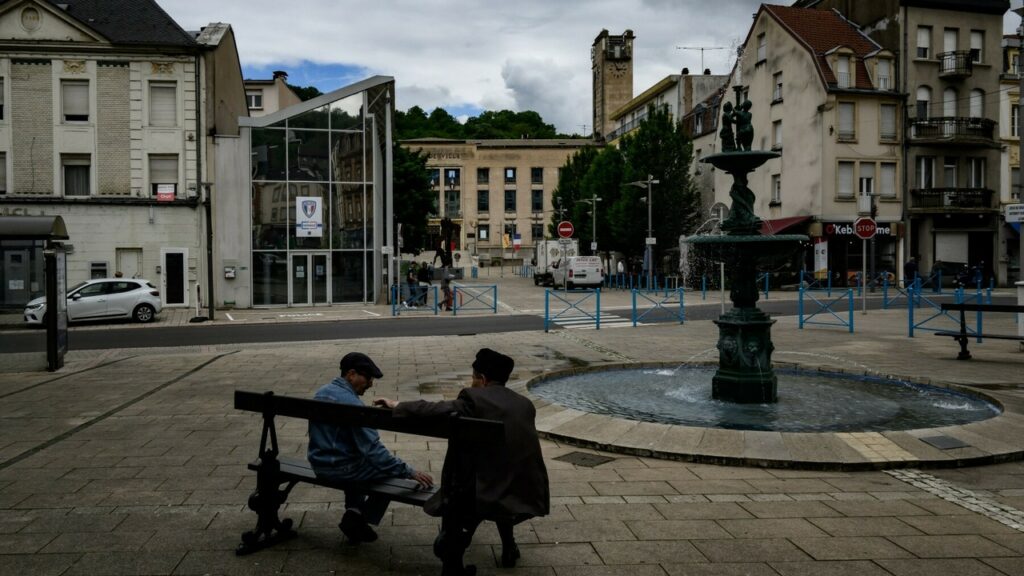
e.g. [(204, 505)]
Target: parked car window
[(119, 287), (93, 289)]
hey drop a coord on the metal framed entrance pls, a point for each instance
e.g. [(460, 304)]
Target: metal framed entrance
[(309, 278)]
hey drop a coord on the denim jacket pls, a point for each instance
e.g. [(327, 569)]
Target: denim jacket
[(350, 452)]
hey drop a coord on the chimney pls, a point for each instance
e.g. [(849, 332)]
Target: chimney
[(280, 74), (707, 71)]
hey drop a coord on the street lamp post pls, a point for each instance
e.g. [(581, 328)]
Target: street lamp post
[(649, 241), (593, 200)]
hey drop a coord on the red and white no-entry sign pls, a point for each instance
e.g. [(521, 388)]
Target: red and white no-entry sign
[(865, 228), (565, 229)]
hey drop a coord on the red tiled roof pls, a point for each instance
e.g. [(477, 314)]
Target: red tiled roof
[(822, 31)]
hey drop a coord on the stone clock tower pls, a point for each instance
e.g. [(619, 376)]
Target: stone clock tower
[(611, 59)]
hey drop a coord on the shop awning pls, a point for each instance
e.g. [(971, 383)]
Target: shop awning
[(32, 228), (777, 226)]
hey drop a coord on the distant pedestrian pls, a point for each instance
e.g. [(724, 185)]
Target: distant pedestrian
[(423, 276), (910, 272), (412, 284), (446, 289)]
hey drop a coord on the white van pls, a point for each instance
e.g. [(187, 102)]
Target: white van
[(578, 271)]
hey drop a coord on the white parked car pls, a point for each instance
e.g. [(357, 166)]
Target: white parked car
[(104, 298), (578, 272)]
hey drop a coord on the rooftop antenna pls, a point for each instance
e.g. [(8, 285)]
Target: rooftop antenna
[(702, 49)]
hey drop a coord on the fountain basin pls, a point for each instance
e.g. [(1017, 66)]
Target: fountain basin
[(807, 401), (739, 161)]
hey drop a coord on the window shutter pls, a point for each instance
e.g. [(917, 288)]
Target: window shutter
[(888, 121), (888, 183), (75, 97), (845, 119), (846, 179), (924, 37), (977, 103), (163, 170), (163, 104)]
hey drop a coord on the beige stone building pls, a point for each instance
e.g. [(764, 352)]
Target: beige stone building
[(611, 59), (108, 121), (268, 96), (823, 97), (949, 66), (495, 190), (676, 93), (1009, 169)]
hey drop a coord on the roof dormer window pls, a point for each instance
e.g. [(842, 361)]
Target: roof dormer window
[(844, 76)]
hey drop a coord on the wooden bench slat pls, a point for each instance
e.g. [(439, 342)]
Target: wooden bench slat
[(484, 431), (403, 490)]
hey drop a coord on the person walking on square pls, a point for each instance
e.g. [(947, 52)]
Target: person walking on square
[(910, 272), (511, 481), (412, 284), (446, 289), (355, 454)]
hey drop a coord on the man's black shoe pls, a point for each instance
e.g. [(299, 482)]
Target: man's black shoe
[(355, 528), (509, 555)]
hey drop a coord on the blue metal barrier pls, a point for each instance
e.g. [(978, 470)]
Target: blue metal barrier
[(474, 298), (674, 299), (916, 300), (417, 301), (819, 284), (564, 297), (826, 306)]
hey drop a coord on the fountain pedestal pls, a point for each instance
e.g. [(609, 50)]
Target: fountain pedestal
[(745, 373)]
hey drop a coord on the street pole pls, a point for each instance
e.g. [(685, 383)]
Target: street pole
[(863, 276), (1020, 137), (648, 255)]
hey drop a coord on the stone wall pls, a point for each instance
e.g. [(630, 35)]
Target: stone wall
[(114, 132)]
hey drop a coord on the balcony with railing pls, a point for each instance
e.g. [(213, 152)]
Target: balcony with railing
[(952, 200), (953, 130), (956, 65)]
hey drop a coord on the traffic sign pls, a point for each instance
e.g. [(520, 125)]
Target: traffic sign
[(565, 229), (1014, 213), (865, 228)]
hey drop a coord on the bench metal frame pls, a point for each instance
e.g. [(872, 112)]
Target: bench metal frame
[(276, 476), (963, 334)]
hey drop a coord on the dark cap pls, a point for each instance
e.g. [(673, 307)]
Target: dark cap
[(360, 363), (494, 365)]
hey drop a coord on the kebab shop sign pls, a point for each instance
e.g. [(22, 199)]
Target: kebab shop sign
[(846, 229)]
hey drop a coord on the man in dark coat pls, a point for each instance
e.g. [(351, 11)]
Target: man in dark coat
[(510, 481)]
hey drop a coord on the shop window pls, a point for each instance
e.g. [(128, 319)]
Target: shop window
[(75, 100)]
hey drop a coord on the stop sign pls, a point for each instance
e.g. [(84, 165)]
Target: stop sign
[(865, 228), (565, 229)]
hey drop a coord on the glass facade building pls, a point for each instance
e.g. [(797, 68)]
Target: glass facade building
[(317, 198)]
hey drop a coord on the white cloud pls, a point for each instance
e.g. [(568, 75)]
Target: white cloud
[(526, 54)]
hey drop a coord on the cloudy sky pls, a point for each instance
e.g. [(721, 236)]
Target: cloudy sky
[(472, 55)]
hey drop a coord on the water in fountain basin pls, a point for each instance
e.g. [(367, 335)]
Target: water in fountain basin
[(808, 401)]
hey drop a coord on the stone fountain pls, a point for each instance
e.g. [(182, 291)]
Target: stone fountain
[(745, 373)]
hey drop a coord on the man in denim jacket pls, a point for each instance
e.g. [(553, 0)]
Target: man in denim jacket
[(356, 454)]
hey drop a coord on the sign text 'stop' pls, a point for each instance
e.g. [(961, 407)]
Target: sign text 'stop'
[(865, 228)]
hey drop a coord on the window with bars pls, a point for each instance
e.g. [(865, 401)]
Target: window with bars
[(887, 114), (74, 100), (163, 174), (163, 104), (76, 171), (847, 113)]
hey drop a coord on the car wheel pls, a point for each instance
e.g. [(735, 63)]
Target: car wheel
[(143, 313)]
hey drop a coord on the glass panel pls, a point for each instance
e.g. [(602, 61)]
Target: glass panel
[(307, 155), (269, 278), (267, 154), (269, 215), (300, 278), (347, 214), (309, 190), (347, 156), (320, 275), (347, 113), (348, 276), (316, 118), (368, 219)]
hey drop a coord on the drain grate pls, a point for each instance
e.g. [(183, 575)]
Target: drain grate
[(584, 459), (945, 442)]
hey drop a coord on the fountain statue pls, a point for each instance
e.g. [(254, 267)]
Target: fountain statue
[(745, 373)]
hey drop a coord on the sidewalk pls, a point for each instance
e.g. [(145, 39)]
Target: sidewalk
[(133, 462)]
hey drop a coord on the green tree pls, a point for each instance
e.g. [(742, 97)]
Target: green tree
[(413, 197), (570, 186), (508, 124), (604, 181), (661, 149), (305, 92)]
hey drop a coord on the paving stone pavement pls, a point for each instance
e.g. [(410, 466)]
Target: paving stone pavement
[(134, 462)]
